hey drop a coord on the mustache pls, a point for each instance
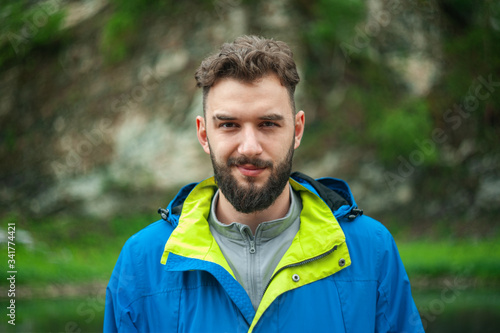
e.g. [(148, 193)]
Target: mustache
[(241, 160)]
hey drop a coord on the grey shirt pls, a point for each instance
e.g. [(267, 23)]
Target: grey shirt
[(253, 259)]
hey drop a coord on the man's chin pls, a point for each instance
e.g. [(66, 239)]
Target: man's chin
[(249, 182)]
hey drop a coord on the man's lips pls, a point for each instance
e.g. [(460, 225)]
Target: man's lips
[(250, 170)]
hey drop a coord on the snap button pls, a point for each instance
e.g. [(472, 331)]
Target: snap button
[(295, 278), (341, 262)]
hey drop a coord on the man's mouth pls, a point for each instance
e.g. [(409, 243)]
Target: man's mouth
[(249, 167), (250, 170)]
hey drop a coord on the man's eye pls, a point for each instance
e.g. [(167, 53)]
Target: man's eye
[(269, 124), (227, 125)]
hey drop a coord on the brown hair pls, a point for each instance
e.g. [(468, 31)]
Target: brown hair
[(248, 59)]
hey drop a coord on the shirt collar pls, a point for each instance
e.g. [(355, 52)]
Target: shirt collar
[(265, 230)]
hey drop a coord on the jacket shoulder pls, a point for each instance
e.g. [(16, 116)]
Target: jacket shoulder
[(141, 254), (156, 233), (366, 228), (369, 242)]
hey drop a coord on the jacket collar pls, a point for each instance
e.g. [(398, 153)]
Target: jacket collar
[(192, 237), (334, 192)]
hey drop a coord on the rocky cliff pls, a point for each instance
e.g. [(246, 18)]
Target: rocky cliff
[(96, 125)]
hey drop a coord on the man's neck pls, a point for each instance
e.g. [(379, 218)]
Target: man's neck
[(227, 214)]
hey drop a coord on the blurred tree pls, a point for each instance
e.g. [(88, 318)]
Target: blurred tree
[(471, 59), (360, 99), (27, 25)]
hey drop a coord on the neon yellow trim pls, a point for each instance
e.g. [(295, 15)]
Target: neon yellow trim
[(316, 220), (192, 237)]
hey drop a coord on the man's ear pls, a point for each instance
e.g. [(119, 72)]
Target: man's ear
[(299, 128), (201, 132)]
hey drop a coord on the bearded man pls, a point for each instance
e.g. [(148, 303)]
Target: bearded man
[(256, 248)]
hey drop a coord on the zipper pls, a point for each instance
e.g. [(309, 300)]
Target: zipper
[(251, 238), (251, 263), (252, 246), (299, 264)]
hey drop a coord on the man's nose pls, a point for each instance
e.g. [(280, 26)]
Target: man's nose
[(250, 144)]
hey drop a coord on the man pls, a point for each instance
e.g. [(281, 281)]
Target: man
[(254, 248)]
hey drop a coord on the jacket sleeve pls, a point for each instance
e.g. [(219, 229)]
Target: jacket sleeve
[(396, 310), (120, 293)]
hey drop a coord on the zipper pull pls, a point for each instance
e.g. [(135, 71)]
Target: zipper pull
[(252, 246)]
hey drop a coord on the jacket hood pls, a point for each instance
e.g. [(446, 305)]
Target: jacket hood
[(334, 192)]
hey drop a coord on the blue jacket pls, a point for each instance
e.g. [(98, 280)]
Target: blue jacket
[(342, 273)]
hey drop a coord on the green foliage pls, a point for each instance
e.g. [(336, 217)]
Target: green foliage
[(69, 250), (334, 20), (116, 36), (467, 258), (399, 131), (81, 314), (26, 26), (471, 48), (8, 138), (376, 111), (329, 23), (124, 27)]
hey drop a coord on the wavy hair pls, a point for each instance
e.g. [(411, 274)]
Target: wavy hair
[(247, 59)]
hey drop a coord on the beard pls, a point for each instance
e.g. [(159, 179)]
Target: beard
[(249, 198)]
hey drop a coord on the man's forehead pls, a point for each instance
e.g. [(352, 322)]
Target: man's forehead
[(264, 97)]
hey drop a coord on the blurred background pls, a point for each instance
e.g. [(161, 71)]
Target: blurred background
[(97, 130)]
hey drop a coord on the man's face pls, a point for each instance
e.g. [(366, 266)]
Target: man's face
[(250, 132)]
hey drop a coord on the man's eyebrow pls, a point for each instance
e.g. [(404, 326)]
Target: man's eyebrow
[(272, 116), (222, 117)]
